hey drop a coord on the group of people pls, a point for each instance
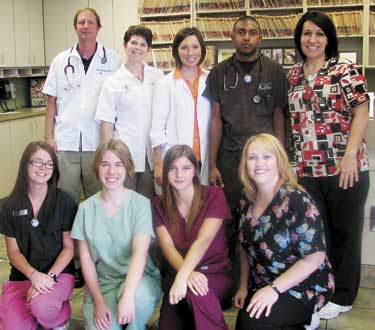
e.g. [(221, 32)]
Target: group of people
[(214, 145)]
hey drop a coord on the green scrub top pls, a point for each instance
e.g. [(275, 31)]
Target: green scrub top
[(110, 239)]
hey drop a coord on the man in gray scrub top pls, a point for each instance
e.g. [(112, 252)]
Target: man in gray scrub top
[(248, 93)]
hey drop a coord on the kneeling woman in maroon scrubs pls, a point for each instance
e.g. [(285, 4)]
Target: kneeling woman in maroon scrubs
[(189, 223)]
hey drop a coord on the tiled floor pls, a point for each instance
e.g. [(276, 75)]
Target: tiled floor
[(362, 317)]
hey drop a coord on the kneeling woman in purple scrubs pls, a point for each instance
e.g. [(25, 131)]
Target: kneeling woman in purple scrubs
[(189, 221)]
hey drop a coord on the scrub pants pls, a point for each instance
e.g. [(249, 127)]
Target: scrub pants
[(142, 182), (228, 163), (342, 212), (48, 310), (196, 312), (287, 313), (147, 296), (75, 172)]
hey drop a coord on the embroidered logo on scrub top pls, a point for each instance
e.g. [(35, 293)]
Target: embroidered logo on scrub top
[(126, 88)]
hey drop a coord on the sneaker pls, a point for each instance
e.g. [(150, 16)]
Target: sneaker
[(314, 324), (331, 310), (62, 327)]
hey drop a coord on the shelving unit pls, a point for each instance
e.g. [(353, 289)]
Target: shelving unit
[(354, 19), (23, 72)]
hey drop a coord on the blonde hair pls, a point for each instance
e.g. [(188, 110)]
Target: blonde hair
[(287, 175), (120, 149)]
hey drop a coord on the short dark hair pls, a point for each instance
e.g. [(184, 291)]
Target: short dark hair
[(326, 24), (181, 36), (80, 11), (139, 30), (246, 18)]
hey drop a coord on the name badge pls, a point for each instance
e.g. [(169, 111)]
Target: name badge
[(20, 213)]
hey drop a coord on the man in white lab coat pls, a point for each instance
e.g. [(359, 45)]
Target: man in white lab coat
[(73, 86)]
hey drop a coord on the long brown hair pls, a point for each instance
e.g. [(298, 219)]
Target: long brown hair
[(287, 175), (169, 200), (18, 198)]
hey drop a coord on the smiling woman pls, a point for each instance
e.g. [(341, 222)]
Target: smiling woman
[(36, 220), (180, 112), (285, 275), (124, 107), (189, 221), (114, 231), (328, 104)]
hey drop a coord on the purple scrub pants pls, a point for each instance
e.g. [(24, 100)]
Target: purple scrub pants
[(49, 310), (199, 312)]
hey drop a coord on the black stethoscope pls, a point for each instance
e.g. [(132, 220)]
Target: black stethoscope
[(247, 78), (72, 68)]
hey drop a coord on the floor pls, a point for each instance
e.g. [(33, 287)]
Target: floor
[(361, 317)]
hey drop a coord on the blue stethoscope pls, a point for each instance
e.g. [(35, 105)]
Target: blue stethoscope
[(247, 78), (69, 67)]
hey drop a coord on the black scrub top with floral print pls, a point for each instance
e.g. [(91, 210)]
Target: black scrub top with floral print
[(289, 229)]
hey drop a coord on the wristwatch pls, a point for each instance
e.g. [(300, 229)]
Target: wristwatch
[(53, 276)]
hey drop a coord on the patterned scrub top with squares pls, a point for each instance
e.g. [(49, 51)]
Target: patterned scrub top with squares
[(321, 112)]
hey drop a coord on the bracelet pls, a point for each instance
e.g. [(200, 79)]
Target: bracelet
[(32, 273), (274, 287)]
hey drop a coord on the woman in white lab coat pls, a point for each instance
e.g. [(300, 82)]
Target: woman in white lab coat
[(180, 113)]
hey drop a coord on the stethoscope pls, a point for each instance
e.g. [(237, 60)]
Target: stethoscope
[(69, 67), (247, 78)]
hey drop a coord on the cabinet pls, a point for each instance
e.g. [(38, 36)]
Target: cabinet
[(7, 51), (28, 29), (16, 135), (7, 180), (59, 31)]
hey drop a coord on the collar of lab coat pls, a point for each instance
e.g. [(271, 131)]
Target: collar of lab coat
[(176, 76), (99, 51)]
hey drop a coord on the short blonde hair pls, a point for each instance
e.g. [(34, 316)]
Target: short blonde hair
[(120, 149), (272, 145)]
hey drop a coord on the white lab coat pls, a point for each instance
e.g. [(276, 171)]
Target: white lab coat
[(77, 96), (126, 102), (173, 116)]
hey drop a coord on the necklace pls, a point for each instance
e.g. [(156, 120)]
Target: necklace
[(34, 222)]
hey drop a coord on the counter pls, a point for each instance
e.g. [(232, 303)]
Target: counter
[(22, 113)]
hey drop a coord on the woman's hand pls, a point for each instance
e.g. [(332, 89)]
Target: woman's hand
[(177, 291), (239, 297), (31, 293), (158, 168), (42, 282), (198, 283), (125, 310), (262, 300), (347, 169), (102, 316)]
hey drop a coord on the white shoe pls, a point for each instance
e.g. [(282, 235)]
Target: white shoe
[(314, 324), (331, 310), (62, 327)]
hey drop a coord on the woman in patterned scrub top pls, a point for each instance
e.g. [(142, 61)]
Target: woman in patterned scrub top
[(285, 275), (328, 105)]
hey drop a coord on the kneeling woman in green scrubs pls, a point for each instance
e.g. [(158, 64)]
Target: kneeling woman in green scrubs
[(114, 231)]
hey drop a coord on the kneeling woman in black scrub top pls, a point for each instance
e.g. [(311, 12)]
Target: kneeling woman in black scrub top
[(285, 275), (36, 220)]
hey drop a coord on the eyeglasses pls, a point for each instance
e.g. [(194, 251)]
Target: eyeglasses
[(36, 162)]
